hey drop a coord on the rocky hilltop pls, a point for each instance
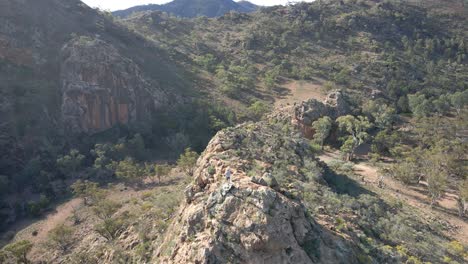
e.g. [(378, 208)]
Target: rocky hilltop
[(193, 8), (258, 216)]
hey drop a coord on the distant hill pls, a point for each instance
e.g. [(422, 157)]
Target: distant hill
[(193, 8)]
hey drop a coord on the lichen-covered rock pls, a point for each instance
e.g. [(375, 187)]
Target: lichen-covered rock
[(258, 216)]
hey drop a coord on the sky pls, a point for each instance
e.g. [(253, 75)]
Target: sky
[(113, 5)]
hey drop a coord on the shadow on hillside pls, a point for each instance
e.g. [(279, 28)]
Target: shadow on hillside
[(342, 184), (281, 91)]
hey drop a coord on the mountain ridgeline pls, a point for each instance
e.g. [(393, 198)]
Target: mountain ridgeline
[(193, 8)]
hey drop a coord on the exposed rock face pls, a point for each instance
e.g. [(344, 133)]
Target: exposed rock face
[(309, 111), (257, 217), (101, 88)]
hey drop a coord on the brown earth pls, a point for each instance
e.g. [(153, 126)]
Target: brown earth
[(301, 90)]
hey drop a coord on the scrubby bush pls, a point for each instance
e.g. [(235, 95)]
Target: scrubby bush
[(105, 209), (16, 252), (258, 109), (112, 227), (89, 191), (61, 237), (161, 170)]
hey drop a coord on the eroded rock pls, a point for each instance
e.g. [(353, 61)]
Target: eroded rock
[(249, 219)]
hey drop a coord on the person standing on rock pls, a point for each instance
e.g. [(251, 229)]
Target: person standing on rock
[(228, 174)]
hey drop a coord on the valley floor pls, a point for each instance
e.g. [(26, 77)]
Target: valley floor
[(416, 196)]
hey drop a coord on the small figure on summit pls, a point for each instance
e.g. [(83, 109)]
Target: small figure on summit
[(228, 174)]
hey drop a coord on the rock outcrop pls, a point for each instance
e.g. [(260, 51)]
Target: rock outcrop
[(101, 88), (258, 216), (309, 111)]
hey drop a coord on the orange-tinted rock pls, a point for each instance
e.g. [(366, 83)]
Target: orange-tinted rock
[(101, 88)]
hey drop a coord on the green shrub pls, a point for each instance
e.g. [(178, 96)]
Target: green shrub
[(61, 237), (105, 209), (112, 227), (16, 251), (457, 249), (187, 160)]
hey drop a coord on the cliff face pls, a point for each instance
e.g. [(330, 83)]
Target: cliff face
[(101, 88), (258, 217), (65, 65)]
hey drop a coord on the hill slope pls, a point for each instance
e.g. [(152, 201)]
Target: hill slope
[(193, 8), (151, 84), (282, 205)]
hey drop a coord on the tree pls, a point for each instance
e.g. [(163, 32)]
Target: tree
[(70, 163), (458, 100), (436, 183), (105, 209), (208, 62), (61, 237), (435, 173), (271, 77), (135, 147), (187, 160), (87, 190), (129, 170), (357, 128), (403, 104), (102, 154), (419, 105), (384, 141), (18, 250), (405, 172), (322, 128), (161, 170), (348, 148), (382, 114), (178, 142), (462, 199), (258, 109), (442, 104)]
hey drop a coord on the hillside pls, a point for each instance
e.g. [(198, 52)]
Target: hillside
[(70, 78), (281, 205), (193, 8), (344, 125), (362, 47)]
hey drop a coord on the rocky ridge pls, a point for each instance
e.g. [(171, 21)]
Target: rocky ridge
[(258, 216)]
